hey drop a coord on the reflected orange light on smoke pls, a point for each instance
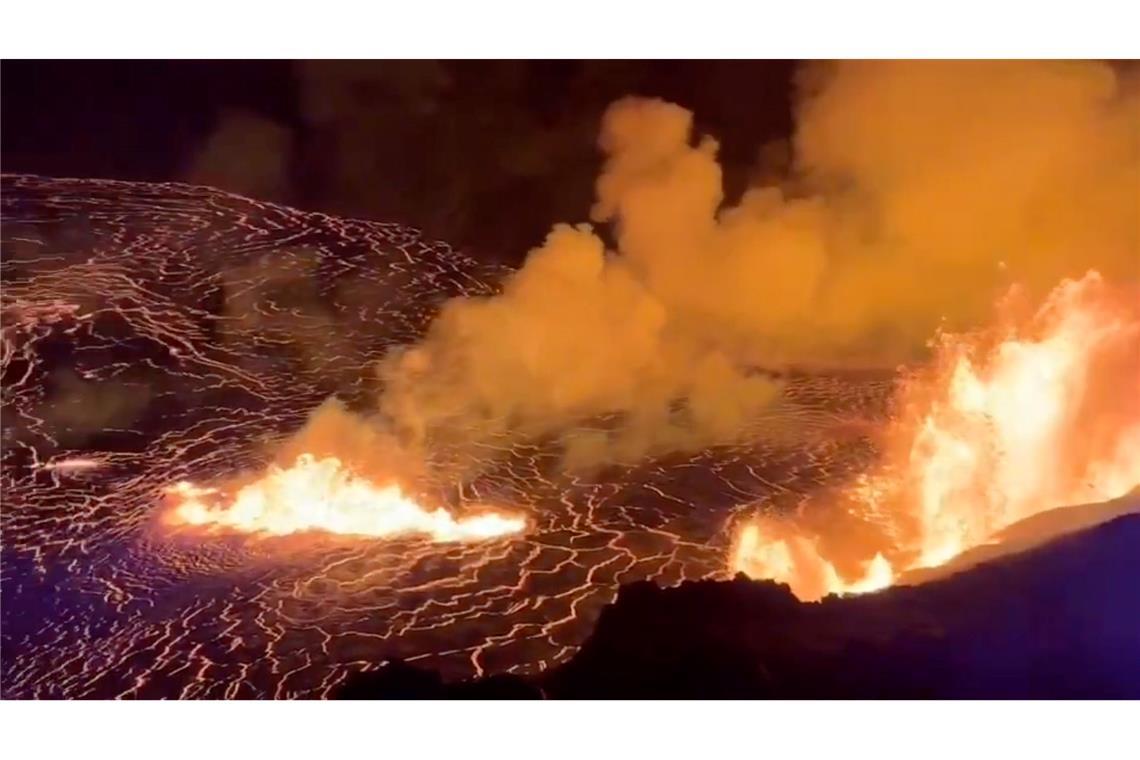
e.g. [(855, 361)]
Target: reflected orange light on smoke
[(1009, 423), (323, 495)]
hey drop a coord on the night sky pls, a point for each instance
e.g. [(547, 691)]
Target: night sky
[(484, 154)]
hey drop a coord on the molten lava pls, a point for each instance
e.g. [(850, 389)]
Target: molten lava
[(324, 495), (1036, 414)]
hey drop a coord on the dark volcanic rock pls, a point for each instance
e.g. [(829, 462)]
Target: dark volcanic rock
[(1060, 621)]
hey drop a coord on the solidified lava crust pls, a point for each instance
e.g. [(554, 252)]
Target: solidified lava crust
[(153, 333)]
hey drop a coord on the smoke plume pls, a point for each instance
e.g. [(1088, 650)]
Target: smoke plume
[(917, 192)]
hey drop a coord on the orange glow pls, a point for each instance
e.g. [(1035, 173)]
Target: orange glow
[(766, 549), (1036, 414), (323, 495)]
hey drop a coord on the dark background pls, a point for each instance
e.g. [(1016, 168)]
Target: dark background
[(484, 154)]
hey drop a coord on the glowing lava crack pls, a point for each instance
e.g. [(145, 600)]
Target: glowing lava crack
[(323, 495)]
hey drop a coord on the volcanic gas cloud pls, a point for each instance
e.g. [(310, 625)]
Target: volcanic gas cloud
[(918, 193)]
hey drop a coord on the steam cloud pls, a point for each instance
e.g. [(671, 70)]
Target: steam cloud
[(918, 192)]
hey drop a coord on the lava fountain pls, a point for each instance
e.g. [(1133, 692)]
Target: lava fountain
[(322, 494), (1035, 413)]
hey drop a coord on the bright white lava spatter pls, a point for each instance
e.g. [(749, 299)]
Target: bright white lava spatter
[(157, 333)]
